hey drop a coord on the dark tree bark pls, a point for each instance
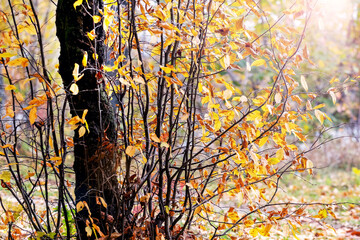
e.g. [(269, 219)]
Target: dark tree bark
[(94, 163)]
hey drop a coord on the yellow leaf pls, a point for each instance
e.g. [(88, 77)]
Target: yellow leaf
[(33, 115), (334, 79), (57, 160), (107, 69), (264, 230), (19, 62), (91, 35), (74, 120), (19, 96), (84, 60), (211, 193), (356, 171), (300, 136), (205, 99), (10, 112), (280, 154), (130, 151), (155, 138), (77, 3), (319, 115), (239, 24), (253, 232), (10, 87), (75, 73), (167, 209), (263, 141), (217, 125), (74, 89), (321, 214), (5, 176), (166, 69), (197, 210), (226, 61), (82, 131), (96, 19), (303, 83), (273, 161), (319, 106), (156, 50), (296, 99), (84, 115), (258, 62), (6, 55), (249, 223)]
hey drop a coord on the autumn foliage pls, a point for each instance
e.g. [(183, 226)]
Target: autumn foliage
[(198, 152)]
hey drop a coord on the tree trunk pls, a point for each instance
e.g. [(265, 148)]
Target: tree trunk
[(94, 163)]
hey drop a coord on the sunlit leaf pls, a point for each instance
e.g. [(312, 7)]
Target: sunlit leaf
[(263, 141), (321, 214), (82, 131), (75, 73), (5, 176), (77, 3), (96, 19), (10, 87), (303, 83), (33, 115), (166, 69), (84, 60), (74, 89), (7, 55), (319, 115), (227, 94), (24, 62), (155, 138), (273, 161), (88, 231), (280, 154), (356, 171), (278, 98), (130, 150), (258, 62), (91, 35)]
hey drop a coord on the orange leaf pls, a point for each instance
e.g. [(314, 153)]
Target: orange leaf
[(19, 62), (130, 151), (33, 115)]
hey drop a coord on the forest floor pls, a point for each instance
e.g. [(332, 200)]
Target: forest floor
[(326, 186), (329, 185)]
